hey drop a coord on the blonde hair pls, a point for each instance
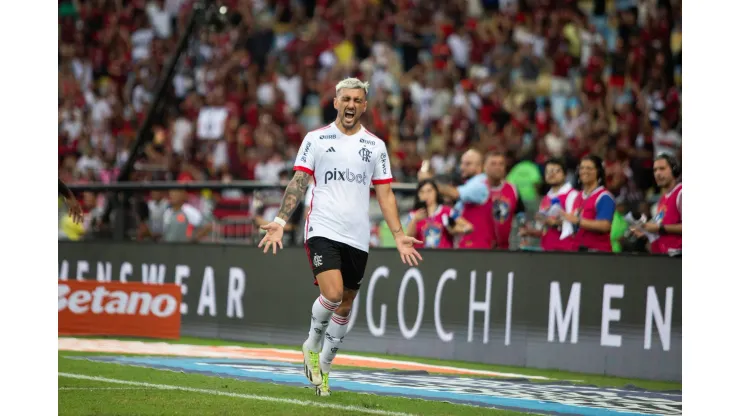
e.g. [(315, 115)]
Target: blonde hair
[(352, 83)]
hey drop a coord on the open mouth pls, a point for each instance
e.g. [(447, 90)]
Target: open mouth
[(349, 115)]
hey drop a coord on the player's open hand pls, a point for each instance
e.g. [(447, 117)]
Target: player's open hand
[(405, 246), (74, 209), (273, 238)]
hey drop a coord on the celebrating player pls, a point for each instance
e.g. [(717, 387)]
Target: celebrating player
[(342, 159)]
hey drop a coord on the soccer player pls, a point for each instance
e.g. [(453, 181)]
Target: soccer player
[(342, 159), (73, 206), (593, 208)]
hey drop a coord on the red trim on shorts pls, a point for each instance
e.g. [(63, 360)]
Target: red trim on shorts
[(308, 256)]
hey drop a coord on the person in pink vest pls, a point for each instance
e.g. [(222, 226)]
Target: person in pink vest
[(472, 198), (559, 198), (485, 200), (667, 220), (431, 220), (503, 201), (492, 219), (593, 208)]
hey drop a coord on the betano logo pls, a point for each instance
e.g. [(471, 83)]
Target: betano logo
[(115, 308), (117, 302)]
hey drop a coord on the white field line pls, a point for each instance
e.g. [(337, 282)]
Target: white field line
[(236, 395), (103, 388)]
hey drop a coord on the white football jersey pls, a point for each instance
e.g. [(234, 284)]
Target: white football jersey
[(343, 167)]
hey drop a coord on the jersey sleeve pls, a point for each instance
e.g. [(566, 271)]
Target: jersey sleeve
[(382, 171), (305, 159), (605, 207), (473, 191)]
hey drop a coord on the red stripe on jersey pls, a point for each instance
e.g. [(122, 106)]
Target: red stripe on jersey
[(382, 181), (368, 132), (321, 128), (304, 169)]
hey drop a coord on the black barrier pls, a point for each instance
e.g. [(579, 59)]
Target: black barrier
[(605, 314)]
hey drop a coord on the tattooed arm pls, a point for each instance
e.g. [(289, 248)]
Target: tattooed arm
[(294, 194)]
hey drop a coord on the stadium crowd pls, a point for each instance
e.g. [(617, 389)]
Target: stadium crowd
[(532, 80)]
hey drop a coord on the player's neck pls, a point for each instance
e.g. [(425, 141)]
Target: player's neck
[(432, 208), (495, 182), (350, 132)]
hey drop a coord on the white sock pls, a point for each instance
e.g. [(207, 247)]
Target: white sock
[(321, 312), (334, 336)]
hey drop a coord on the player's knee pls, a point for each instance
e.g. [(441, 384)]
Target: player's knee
[(332, 295)]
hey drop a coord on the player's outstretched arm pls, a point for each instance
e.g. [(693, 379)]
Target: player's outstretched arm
[(74, 208), (404, 243), (294, 193)]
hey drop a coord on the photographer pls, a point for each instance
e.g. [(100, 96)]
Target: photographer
[(432, 222)]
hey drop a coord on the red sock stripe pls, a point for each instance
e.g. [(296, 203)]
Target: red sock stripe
[(341, 320), (328, 305)]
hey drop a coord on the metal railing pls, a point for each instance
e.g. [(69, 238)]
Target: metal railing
[(237, 228)]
